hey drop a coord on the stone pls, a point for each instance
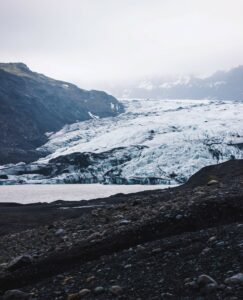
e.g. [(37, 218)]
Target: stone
[(116, 290), (220, 244), (75, 296), (140, 247), (60, 232), (94, 236), (124, 222), (84, 292), (16, 295), (156, 250), (221, 287), (91, 278), (128, 266), (191, 284), (167, 295), (179, 217), (212, 239), (209, 288), (235, 279), (205, 251), (99, 290), (19, 262), (204, 279), (66, 280), (212, 182), (3, 265)]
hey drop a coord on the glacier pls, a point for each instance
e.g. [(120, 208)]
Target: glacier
[(152, 142)]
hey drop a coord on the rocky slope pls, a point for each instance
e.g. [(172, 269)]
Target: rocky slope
[(32, 104), (180, 243)]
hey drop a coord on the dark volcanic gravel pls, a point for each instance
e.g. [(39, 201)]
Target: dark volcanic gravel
[(181, 243)]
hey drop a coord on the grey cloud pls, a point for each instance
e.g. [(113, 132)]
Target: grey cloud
[(92, 42)]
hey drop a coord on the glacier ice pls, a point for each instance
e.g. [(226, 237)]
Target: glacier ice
[(154, 141)]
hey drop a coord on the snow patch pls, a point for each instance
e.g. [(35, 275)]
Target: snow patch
[(93, 116)]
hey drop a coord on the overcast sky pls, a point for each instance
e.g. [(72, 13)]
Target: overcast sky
[(95, 42)]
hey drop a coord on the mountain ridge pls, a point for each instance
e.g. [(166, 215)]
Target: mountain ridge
[(32, 104), (221, 85)]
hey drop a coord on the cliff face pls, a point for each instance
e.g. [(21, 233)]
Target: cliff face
[(32, 104)]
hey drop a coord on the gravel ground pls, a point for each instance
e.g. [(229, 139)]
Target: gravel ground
[(180, 243)]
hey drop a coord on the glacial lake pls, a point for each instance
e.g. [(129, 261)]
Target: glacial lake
[(47, 193)]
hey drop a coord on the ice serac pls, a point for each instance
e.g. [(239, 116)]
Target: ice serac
[(32, 104), (153, 142)]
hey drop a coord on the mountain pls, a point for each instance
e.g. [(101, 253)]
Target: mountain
[(153, 142), (223, 85), (32, 104)]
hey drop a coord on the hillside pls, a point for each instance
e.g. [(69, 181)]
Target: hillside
[(181, 243), (32, 104)]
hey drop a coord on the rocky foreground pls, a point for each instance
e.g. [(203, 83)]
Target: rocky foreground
[(180, 243)]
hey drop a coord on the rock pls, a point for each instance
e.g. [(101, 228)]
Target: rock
[(191, 284), (75, 296), (66, 280), (57, 293), (205, 251), (16, 295), (206, 284), (99, 290), (116, 290), (124, 222), (209, 288), (178, 217), (166, 295), (91, 278), (212, 239), (204, 279), (3, 266), (221, 287), (212, 182), (127, 266), (94, 236), (19, 262), (220, 244), (84, 292), (156, 250), (60, 232), (236, 279)]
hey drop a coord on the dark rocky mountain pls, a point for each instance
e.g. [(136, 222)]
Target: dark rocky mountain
[(223, 85), (32, 104), (180, 243)]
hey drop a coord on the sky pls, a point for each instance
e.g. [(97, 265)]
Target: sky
[(96, 43)]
